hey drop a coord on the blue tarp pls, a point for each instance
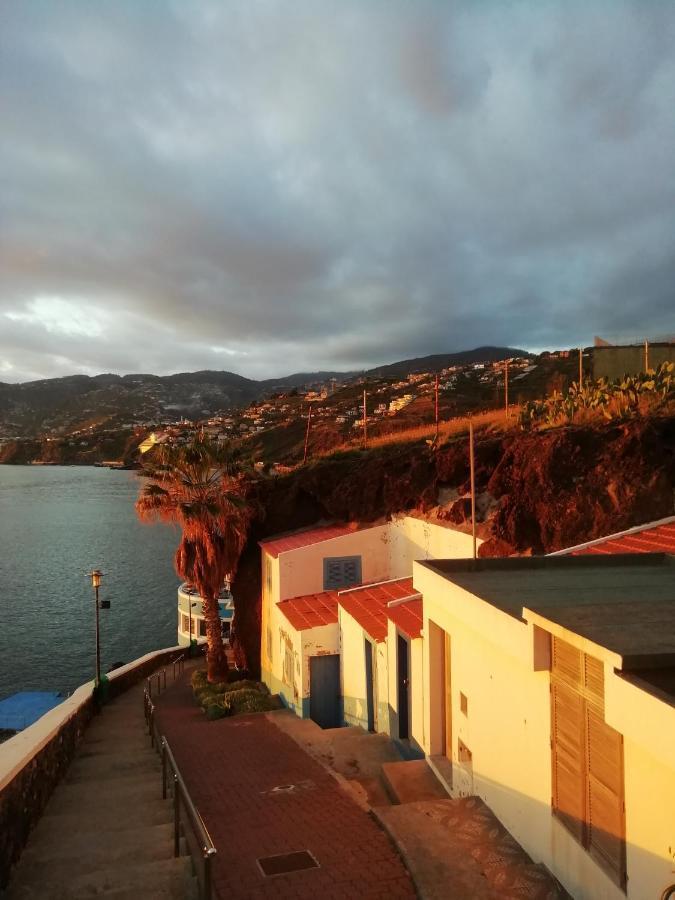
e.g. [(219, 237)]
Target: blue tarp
[(22, 709)]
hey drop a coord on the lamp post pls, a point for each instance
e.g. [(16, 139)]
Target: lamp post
[(96, 576)]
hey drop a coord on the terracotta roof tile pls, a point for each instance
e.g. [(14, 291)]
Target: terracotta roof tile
[(408, 617), (368, 604), (311, 610), (275, 546), (650, 539)]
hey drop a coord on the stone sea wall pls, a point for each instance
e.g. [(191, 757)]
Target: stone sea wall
[(34, 761)]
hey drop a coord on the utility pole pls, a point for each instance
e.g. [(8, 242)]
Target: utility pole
[(309, 420), (646, 355), (473, 487), (436, 405), (506, 388), (365, 421), (581, 366)]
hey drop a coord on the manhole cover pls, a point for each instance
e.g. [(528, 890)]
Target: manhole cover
[(283, 863)]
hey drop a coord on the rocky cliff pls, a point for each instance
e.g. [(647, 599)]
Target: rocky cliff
[(536, 493)]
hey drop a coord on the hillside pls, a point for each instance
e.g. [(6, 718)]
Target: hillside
[(536, 493), (439, 361)]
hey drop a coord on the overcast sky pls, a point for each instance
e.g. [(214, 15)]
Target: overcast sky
[(271, 187)]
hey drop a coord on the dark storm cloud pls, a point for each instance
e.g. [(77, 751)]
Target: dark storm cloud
[(271, 187)]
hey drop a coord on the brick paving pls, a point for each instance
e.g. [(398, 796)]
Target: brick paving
[(231, 768)]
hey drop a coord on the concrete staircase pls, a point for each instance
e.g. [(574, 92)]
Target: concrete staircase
[(106, 832)]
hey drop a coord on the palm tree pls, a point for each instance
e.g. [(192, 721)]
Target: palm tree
[(200, 488)]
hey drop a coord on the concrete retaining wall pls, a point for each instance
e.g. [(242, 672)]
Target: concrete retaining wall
[(34, 761)]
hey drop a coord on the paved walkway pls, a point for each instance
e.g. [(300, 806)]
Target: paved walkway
[(260, 795)]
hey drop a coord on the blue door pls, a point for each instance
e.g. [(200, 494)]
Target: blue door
[(324, 690)]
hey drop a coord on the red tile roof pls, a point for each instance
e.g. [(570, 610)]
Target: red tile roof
[(275, 546), (659, 537), (407, 617), (368, 604), (311, 610)]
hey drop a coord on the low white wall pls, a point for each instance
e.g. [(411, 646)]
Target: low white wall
[(19, 750)]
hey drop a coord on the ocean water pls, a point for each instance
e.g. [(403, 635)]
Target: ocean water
[(56, 523)]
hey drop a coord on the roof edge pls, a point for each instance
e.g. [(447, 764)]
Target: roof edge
[(636, 529)]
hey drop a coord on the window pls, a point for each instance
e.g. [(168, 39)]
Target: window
[(341, 572), (202, 628), (268, 575), (269, 643), (184, 624), (288, 665), (587, 759)]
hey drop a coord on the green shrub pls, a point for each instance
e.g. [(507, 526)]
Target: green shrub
[(217, 711), (249, 701), (246, 684), (198, 679)]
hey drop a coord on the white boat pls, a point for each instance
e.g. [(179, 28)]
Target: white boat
[(191, 622)]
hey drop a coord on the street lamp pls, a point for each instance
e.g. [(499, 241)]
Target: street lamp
[(96, 576)]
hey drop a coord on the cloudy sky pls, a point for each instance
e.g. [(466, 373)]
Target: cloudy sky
[(270, 187)]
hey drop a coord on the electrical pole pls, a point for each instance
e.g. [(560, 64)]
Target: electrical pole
[(646, 355), (365, 421), (473, 487), (309, 420), (506, 388), (581, 366), (436, 404)]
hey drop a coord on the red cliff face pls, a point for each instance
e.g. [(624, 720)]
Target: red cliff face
[(536, 493)]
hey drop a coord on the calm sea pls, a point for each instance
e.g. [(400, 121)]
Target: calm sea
[(56, 523)]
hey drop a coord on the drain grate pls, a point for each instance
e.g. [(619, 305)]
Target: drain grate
[(283, 863)]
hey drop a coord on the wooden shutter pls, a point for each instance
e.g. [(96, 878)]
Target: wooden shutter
[(587, 758), (568, 758), (606, 824), (567, 662)]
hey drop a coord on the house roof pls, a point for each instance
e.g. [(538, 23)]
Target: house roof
[(368, 604), (408, 617), (654, 537), (275, 546), (311, 610), (624, 603)]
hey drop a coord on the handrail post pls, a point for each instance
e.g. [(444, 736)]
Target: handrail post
[(163, 769), (209, 852), (176, 816), (164, 671)]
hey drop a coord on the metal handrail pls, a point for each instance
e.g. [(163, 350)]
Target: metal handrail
[(181, 797), (160, 675)]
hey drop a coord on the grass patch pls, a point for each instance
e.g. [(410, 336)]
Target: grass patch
[(228, 698)]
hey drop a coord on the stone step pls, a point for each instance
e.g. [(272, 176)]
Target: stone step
[(411, 780), (54, 852), (168, 878), (106, 767), (114, 797), (113, 745), (128, 816)]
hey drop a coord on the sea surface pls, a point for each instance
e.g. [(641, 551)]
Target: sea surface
[(56, 524)]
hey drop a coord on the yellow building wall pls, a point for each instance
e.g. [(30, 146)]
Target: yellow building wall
[(647, 723), (353, 675), (507, 730), (301, 570), (413, 539)]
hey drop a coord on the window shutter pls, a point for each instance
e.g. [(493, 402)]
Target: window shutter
[(606, 826), (568, 757), (567, 662), (341, 572)]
